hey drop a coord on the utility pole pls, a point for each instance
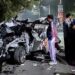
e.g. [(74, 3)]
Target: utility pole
[(39, 8), (60, 2), (49, 8)]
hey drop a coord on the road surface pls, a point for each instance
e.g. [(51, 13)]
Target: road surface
[(39, 66)]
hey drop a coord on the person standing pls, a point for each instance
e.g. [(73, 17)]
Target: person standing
[(51, 35), (71, 42), (66, 26)]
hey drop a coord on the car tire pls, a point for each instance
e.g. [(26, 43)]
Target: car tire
[(20, 55)]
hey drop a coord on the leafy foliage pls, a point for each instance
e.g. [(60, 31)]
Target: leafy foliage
[(69, 5), (9, 8)]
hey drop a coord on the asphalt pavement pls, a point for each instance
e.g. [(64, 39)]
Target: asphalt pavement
[(39, 66)]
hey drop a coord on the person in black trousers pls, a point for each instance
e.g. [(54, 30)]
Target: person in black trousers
[(71, 43), (66, 29)]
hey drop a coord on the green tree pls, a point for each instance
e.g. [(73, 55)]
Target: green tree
[(69, 5), (9, 8)]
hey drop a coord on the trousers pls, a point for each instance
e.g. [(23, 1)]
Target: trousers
[(52, 49)]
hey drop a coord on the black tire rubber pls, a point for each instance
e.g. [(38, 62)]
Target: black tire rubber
[(0, 67), (20, 55)]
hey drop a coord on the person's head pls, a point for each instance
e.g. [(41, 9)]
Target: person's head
[(68, 15), (50, 18)]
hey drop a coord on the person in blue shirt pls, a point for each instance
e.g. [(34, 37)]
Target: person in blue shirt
[(51, 40)]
